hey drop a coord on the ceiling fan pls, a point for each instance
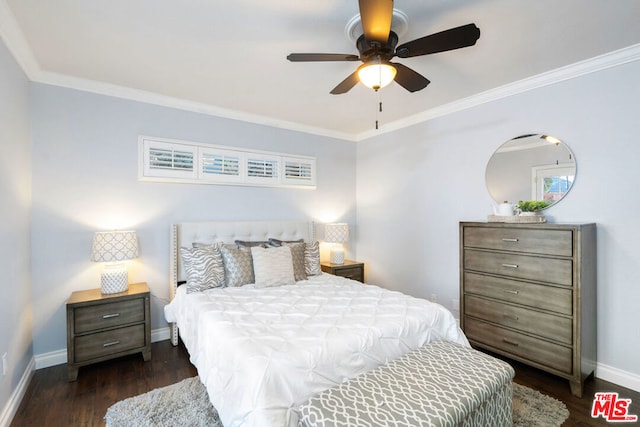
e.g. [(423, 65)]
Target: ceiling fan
[(377, 46)]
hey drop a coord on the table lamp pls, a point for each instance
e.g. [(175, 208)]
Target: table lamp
[(114, 248), (337, 233)]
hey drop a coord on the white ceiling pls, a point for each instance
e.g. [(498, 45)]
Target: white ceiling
[(228, 58)]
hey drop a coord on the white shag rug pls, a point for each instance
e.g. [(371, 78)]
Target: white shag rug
[(187, 404), (182, 404)]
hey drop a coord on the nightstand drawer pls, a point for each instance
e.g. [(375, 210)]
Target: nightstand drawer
[(543, 297), (350, 269), (354, 273), (550, 270), (548, 242), (536, 350), (96, 345), (524, 319), (108, 315)]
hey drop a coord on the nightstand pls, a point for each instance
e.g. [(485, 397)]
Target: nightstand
[(102, 327), (350, 269)]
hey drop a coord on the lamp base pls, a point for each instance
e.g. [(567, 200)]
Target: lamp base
[(337, 255), (114, 279)]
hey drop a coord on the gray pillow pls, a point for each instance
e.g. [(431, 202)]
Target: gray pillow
[(250, 244), (277, 242), (312, 259), (238, 265), (203, 267), (297, 255)]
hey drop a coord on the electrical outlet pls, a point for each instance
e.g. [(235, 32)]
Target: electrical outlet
[(4, 364), (434, 298)]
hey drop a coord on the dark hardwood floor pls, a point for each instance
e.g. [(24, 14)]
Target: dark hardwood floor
[(52, 401)]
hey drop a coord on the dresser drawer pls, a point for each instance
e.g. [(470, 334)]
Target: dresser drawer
[(101, 316), (105, 343), (524, 319), (542, 352), (536, 241), (549, 298), (550, 270)]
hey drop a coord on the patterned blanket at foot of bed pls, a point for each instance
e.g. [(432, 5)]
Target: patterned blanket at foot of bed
[(440, 384)]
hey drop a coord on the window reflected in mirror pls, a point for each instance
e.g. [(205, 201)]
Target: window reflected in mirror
[(531, 167)]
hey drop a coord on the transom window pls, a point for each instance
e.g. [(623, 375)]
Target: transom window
[(164, 160)]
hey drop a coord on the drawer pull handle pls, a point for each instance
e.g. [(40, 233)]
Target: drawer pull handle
[(110, 343), (510, 342), (511, 316), (109, 316), (509, 291), (510, 265), (510, 240)]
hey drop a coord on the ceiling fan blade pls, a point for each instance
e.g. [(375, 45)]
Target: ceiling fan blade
[(346, 85), (376, 16), (313, 57), (409, 79), (450, 39)]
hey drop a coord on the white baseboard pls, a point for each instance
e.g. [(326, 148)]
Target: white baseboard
[(46, 360), (618, 376), (10, 409)]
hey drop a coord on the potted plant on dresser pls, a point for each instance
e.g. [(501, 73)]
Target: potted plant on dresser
[(531, 207)]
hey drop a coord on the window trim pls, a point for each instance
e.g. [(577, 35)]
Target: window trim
[(198, 176)]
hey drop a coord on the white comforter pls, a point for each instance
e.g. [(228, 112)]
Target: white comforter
[(261, 352)]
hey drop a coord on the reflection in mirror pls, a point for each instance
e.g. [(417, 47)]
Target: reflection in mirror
[(531, 167)]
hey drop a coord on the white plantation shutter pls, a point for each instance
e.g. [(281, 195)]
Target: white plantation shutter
[(163, 159), (166, 160), (299, 171), (221, 165), (262, 168)]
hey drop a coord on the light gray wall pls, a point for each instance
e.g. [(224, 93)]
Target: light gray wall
[(85, 166), (408, 216), (15, 205)]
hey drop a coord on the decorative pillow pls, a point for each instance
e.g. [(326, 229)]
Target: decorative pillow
[(238, 265), (250, 244), (297, 254), (272, 267), (312, 259), (203, 267), (277, 242), (203, 245)]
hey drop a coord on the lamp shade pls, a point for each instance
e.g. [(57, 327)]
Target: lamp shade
[(114, 246), (336, 232), (376, 74)]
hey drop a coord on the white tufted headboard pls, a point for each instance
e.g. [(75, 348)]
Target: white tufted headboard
[(186, 233)]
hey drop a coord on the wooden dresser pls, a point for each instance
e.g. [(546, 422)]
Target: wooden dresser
[(528, 292), (101, 327)]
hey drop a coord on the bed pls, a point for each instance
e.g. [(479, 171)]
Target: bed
[(261, 351)]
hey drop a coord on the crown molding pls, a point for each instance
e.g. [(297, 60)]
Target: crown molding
[(588, 66), (16, 42), (13, 37), (117, 91)]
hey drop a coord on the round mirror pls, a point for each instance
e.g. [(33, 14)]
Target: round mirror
[(531, 167)]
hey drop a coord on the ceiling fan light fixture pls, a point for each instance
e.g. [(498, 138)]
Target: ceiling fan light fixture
[(376, 74)]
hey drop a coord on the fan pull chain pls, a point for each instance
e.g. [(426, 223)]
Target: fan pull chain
[(379, 109)]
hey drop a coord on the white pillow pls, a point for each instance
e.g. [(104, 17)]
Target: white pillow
[(272, 266)]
